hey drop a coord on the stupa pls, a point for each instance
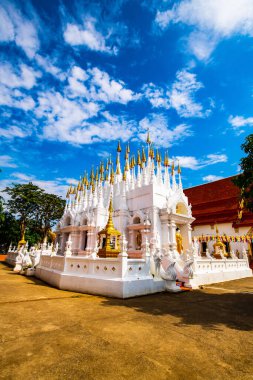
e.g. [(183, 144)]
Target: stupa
[(127, 232)]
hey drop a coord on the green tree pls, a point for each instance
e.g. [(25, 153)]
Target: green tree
[(9, 231), (35, 211), (245, 180), (50, 209), (23, 203)]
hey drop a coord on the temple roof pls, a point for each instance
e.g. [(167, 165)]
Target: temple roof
[(217, 202)]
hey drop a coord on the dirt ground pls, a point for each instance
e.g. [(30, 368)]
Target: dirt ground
[(47, 333)]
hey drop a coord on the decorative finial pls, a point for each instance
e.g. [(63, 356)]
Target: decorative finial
[(119, 147), (148, 138), (138, 158), (143, 156), (151, 152), (179, 169), (112, 177), (172, 168)]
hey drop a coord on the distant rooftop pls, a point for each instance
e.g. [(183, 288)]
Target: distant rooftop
[(217, 202)]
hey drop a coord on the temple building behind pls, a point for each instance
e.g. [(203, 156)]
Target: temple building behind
[(219, 211)]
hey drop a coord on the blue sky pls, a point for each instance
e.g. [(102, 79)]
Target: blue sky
[(76, 76)]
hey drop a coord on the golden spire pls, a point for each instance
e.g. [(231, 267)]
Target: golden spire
[(131, 163), (158, 157), (124, 176), (112, 177), (106, 176), (148, 138), (118, 165), (92, 177), (138, 158), (109, 236), (107, 165), (151, 152), (119, 147), (109, 226), (96, 178), (68, 192), (127, 153), (128, 148), (134, 161), (172, 168), (143, 156), (166, 160), (101, 171), (179, 169)]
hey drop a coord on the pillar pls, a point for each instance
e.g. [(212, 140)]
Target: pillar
[(172, 235)]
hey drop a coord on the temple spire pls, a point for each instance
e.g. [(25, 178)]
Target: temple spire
[(148, 138)]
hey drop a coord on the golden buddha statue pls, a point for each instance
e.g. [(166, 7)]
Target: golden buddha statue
[(179, 241), (219, 247)]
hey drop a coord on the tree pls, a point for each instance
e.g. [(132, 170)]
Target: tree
[(50, 210), (23, 203), (245, 180), (9, 231), (1, 211), (35, 210)]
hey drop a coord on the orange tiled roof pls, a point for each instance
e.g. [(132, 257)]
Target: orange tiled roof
[(217, 202)]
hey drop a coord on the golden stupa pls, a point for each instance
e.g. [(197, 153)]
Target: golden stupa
[(109, 238)]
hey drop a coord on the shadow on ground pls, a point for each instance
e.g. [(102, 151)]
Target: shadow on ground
[(209, 308)]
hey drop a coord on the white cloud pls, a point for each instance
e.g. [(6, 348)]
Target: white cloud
[(96, 85), (194, 163), (14, 27), (25, 76), (160, 132), (12, 132), (180, 95), (69, 181), (215, 159), (213, 21), (211, 178), (188, 162), (68, 120), (157, 96), (15, 98), (7, 162), (240, 121), (6, 27), (58, 186), (107, 89), (88, 36), (49, 67)]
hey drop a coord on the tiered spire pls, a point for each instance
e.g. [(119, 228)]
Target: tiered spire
[(93, 190)]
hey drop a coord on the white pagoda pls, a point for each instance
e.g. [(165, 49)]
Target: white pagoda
[(127, 232)]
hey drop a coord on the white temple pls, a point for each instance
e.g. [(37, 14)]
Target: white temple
[(127, 232)]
